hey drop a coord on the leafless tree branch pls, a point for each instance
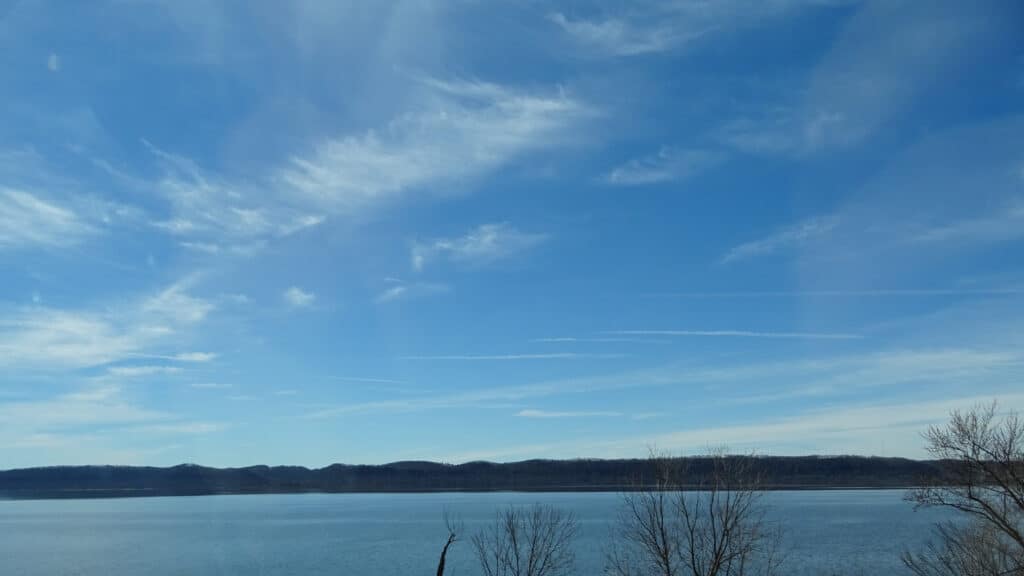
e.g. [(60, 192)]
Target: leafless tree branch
[(454, 527), (982, 477), (713, 526), (535, 541)]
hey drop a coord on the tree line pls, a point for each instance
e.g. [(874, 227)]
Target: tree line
[(777, 472)]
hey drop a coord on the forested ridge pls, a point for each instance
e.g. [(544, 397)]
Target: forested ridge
[(778, 472)]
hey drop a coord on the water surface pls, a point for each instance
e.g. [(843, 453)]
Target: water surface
[(842, 531)]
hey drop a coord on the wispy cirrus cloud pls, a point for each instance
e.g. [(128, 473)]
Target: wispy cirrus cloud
[(84, 426), (668, 165), (933, 202), (886, 55), (653, 26), (29, 221), (877, 428), (484, 244), (741, 334), (529, 413), (41, 208), (514, 357), (463, 130), (619, 36), (1002, 225), (460, 131), (594, 339), (43, 337), (195, 356), (835, 430), (214, 214), (188, 428), (210, 385), (401, 290), (141, 371), (872, 293), (793, 236), (832, 376), (91, 406)]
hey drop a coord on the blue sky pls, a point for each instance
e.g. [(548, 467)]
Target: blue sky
[(301, 233)]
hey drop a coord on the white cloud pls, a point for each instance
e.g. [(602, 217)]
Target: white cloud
[(138, 371), (298, 298), (210, 385), (393, 293), (484, 244), (180, 428), (605, 340), (190, 357), (369, 380), (301, 223), (619, 37), (175, 305), (856, 429), (513, 357), (53, 63), (195, 356), (96, 406), (830, 376), (931, 206), (668, 165), (570, 414), (236, 298), (652, 26), (204, 247), (88, 426), (206, 207), (40, 206), (741, 334), (55, 338), (791, 237), (1006, 224), (948, 197), (93, 394), (874, 293), (463, 131), (400, 290), (26, 220), (45, 337), (869, 429), (886, 55), (459, 131)]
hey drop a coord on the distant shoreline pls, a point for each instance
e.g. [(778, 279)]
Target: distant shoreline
[(791, 473), (143, 493)]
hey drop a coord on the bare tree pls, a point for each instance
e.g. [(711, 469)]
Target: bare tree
[(534, 541), (981, 457), (713, 527), (455, 527)]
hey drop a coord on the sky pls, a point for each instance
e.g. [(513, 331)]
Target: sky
[(258, 232)]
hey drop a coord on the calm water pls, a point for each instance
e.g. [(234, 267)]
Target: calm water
[(851, 532)]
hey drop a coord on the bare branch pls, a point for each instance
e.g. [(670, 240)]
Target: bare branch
[(697, 522), (982, 477), (454, 527), (535, 541)]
